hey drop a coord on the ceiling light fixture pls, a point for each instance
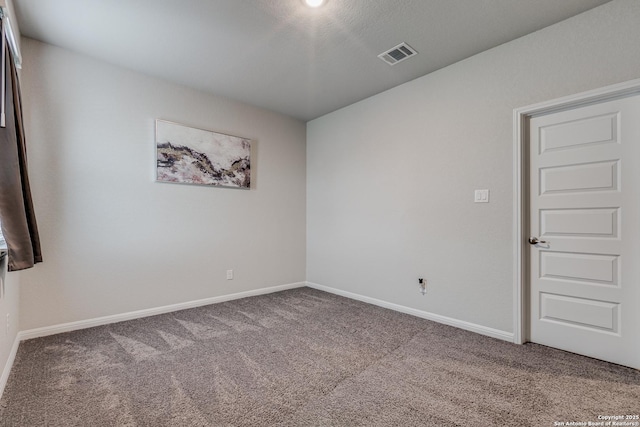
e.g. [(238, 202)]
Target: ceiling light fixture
[(314, 3)]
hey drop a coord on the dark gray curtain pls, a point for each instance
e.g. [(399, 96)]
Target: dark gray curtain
[(16, 208)]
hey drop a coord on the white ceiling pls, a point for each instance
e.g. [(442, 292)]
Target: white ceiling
[(279, 54)]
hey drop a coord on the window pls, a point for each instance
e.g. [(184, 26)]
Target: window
[(3, 244)]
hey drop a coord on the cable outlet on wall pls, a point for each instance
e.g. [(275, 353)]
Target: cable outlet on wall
[(229, 274), (423, 285)]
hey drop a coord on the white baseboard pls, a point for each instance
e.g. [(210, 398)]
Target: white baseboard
[(7, 366), (479, 329), (90, 323)]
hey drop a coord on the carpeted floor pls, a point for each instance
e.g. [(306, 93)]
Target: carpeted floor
[(304, 358)]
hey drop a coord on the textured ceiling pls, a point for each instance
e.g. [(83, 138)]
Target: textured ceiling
[(279, 54)]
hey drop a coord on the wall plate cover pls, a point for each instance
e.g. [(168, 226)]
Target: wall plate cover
[(481, 196)]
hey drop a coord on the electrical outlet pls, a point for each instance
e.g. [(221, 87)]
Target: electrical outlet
[(229, 274), (6, 331), (481, 196)]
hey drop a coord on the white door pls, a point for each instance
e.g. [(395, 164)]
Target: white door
[(585, 209)]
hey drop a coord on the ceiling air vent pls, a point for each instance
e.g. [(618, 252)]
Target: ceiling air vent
[(397, 54)]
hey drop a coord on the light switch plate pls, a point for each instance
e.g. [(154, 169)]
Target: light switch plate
[(481, 196)]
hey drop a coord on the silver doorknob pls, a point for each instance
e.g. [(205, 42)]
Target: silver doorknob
[(535, 241)]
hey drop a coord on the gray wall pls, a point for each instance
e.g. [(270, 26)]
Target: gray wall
[(389, 190), (115, 241), (9, 304), (390, 180)]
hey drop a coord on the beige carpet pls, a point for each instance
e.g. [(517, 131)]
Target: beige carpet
[(304, 358)]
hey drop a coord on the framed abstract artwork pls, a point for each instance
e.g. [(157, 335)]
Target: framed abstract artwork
[(187, 155)]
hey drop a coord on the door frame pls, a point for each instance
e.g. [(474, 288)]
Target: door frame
[(521, 117)]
